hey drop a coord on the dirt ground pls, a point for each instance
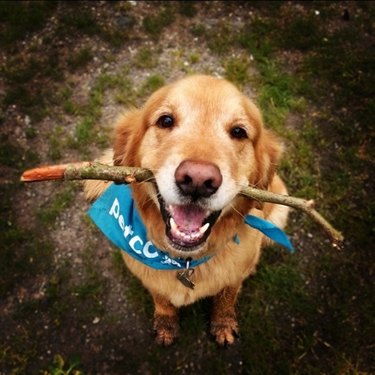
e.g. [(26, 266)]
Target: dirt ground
[(68, 305)]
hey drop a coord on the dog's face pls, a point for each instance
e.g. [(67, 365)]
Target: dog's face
[(204, 141)]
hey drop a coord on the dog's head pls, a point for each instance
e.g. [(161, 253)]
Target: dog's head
[(204, 141)]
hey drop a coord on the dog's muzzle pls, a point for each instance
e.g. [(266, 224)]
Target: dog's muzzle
[(189, 224)]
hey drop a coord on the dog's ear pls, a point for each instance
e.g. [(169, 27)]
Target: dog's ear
[(267, 149), (126, 139), (131, 128)]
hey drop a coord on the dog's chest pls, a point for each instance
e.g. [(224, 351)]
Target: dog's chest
[(212, 277), (227, 268)]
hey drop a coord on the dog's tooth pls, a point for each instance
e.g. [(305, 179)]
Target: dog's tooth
[(173, 224), (203, 229)]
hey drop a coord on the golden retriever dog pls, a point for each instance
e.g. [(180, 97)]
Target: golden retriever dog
[(203, 140)]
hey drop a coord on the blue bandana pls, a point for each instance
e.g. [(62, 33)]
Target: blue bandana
[(115, 214)]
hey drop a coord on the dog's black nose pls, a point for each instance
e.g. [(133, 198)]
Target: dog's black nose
[(198, 178)]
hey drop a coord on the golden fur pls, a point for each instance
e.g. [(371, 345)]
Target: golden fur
[(205, 111)]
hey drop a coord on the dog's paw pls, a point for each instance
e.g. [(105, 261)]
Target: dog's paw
[(166, 329), (225, 330)]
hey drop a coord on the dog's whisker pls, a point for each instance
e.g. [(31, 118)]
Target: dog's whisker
[(151, 179), (150, 197), (236, 211)]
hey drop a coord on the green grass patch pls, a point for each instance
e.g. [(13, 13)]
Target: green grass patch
[(302, 33), (80, 59), (19, 76), (61, 366), (236, 70), (198, 30), (151, 84), (256, 38), (344, 67), (134, 290), (145, 58), (322, 162), (68, 105), (220, 40), (187, 8), (86, 131), (79, 18), (279, 96), (48, 213), (23, 254), (194, 58), (274, 308), (56, 143), (154, 25), (12, 155), (118, 261), (33, 14)]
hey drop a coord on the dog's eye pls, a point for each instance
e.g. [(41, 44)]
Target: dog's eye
[(165, 121), (238, 132)]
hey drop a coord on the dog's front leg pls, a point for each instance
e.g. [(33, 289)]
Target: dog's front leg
[(224, 324), (165, 321)]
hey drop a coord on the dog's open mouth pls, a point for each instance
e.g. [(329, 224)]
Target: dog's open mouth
[(187, 226)]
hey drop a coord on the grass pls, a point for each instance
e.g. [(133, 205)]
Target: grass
[(187, 8), (49, 213), (154, 24), (219, 40), (236, 70), (56, 143), (60, 367), (27, 76), (310, 313), (277, 293), (81, 58), (14, 262), (342, 70), (151, 84), (145, 58), (33, 16)]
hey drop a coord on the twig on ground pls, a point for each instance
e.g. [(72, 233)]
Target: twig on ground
[(98, 171)]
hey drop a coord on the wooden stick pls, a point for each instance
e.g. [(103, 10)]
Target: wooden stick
[(306, 206), (87, 171), (98, 171)]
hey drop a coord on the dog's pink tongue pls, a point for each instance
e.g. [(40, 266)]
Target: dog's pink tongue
[(188, 218)]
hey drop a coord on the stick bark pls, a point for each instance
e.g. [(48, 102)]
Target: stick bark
[(98, 171)]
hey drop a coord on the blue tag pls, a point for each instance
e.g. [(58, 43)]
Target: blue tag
[(115, 214), (270, 230)]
